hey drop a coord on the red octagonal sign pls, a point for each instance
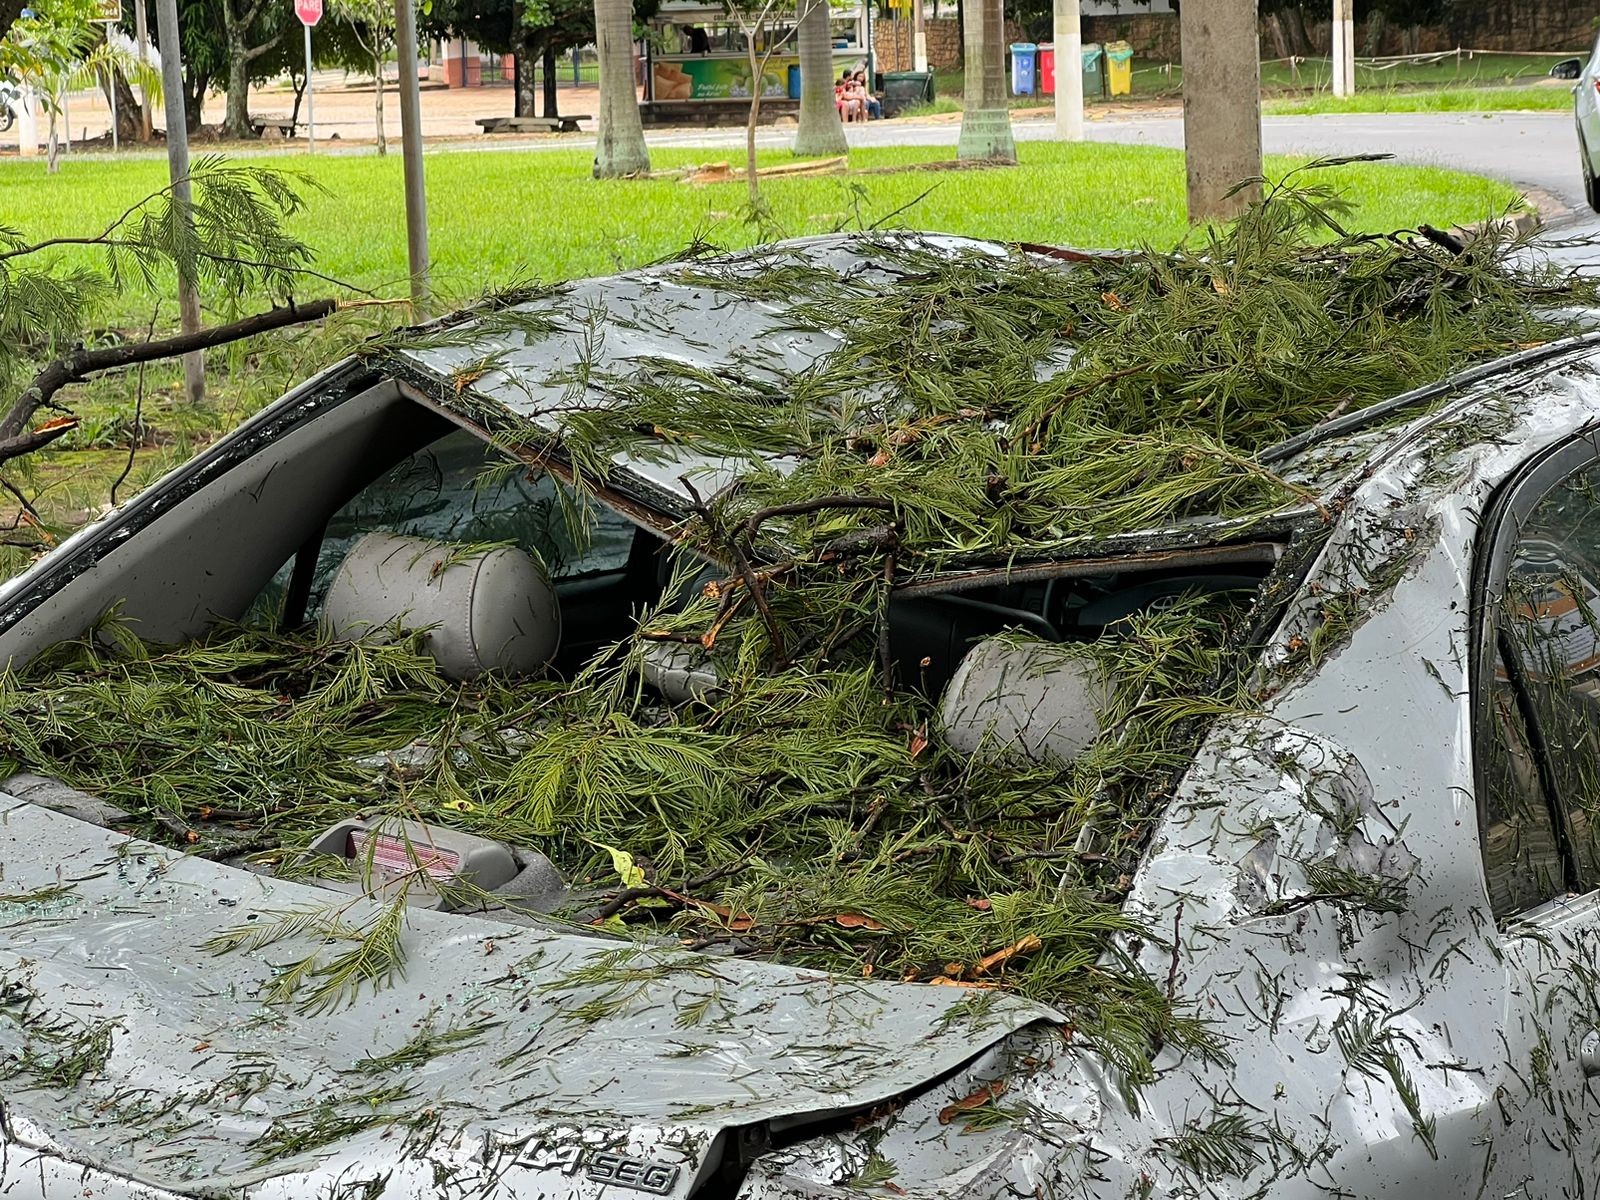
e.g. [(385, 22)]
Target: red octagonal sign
[(309, 11)]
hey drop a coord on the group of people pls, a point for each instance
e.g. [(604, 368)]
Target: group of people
[(854, 98)]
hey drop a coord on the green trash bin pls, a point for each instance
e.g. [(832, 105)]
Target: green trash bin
[(905, 89), (1094, 71)]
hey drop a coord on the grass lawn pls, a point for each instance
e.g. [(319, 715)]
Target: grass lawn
[(499, 216), (502, 216), (1466, 99), (1479, 82)]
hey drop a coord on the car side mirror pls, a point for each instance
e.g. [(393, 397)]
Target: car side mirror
[(1567, 68)]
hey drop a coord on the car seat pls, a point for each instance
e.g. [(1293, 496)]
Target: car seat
[(1016, 699), (481, 610)]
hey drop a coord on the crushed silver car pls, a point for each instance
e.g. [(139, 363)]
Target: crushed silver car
[(1366, 902)]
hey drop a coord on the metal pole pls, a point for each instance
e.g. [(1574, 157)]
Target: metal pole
[(872, 63), (411, 149), (1068, 35), (194, 369), (311, 117), (111, 78), (143, 36)]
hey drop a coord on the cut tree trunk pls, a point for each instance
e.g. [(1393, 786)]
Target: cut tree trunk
[(550, 79), (620, 148), (821, 132), (986, 119)]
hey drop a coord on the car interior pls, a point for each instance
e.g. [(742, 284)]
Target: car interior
[(361, 516)]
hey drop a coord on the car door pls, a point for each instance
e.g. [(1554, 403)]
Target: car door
[(1538, 748)]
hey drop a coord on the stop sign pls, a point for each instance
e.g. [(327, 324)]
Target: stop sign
[(309, 11)]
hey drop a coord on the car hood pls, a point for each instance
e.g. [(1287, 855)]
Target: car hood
[(505, 1060)]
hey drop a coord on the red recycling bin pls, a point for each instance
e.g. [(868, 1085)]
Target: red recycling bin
[(1047, 69)]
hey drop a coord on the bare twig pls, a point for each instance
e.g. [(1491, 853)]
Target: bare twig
[(138, 413)]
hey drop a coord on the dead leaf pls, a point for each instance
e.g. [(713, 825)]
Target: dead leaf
[(978, 903), (984, 1095), (1026, 945), (919, 740), (856, 921), (1113, 301)]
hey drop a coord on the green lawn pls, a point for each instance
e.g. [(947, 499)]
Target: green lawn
[(503, 216), (498, 216), (1502, 82), (1515, 99)]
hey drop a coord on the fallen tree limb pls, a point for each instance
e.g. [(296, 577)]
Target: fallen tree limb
[(16, 439)]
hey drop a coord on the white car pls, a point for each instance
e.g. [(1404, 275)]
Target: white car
[(1379, 889)]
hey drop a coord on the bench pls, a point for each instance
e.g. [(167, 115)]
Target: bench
[(531, 124), (259, 125)]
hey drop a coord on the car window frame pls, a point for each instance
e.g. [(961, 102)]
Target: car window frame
[(1502, 529)]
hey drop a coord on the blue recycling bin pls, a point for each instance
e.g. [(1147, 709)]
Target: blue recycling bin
[(794, 81), (1024, 57)]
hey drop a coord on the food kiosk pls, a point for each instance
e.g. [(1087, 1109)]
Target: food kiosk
[(697, 65)]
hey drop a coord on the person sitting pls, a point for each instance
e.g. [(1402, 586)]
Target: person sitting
[(874, 108), (847, 98)]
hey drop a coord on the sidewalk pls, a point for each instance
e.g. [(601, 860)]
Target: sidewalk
[(343, 107)]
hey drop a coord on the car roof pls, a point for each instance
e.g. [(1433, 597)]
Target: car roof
[(532, 357)]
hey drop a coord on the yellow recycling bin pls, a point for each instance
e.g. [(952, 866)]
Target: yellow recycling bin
[(1119, 68)]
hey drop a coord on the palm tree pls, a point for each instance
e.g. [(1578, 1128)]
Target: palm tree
[(986, 121), (619, 149), (821, 131)]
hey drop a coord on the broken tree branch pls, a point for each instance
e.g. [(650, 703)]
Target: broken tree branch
[(16, 439)]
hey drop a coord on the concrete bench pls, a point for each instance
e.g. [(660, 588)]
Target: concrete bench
[(531, 124), (259, 125)]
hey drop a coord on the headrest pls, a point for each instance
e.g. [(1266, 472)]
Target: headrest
[(1014, 700), (679, 671), (486, 610)]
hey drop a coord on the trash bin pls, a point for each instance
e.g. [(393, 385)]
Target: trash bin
[(1094, 77), (903, 89), (794, 81), (1119, 68), (1047, 69), (1023, 55)]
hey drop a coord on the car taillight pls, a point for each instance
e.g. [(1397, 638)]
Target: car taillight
[(394, 856)]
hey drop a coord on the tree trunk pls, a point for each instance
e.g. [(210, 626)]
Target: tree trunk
[(377, 86), (236, 118), (1372, 46), (1294, 22), (821, 131), (619, 147), (522, 49), (130, 121), (986, 118), (550, 79), (195, 87), (1280, 40)]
